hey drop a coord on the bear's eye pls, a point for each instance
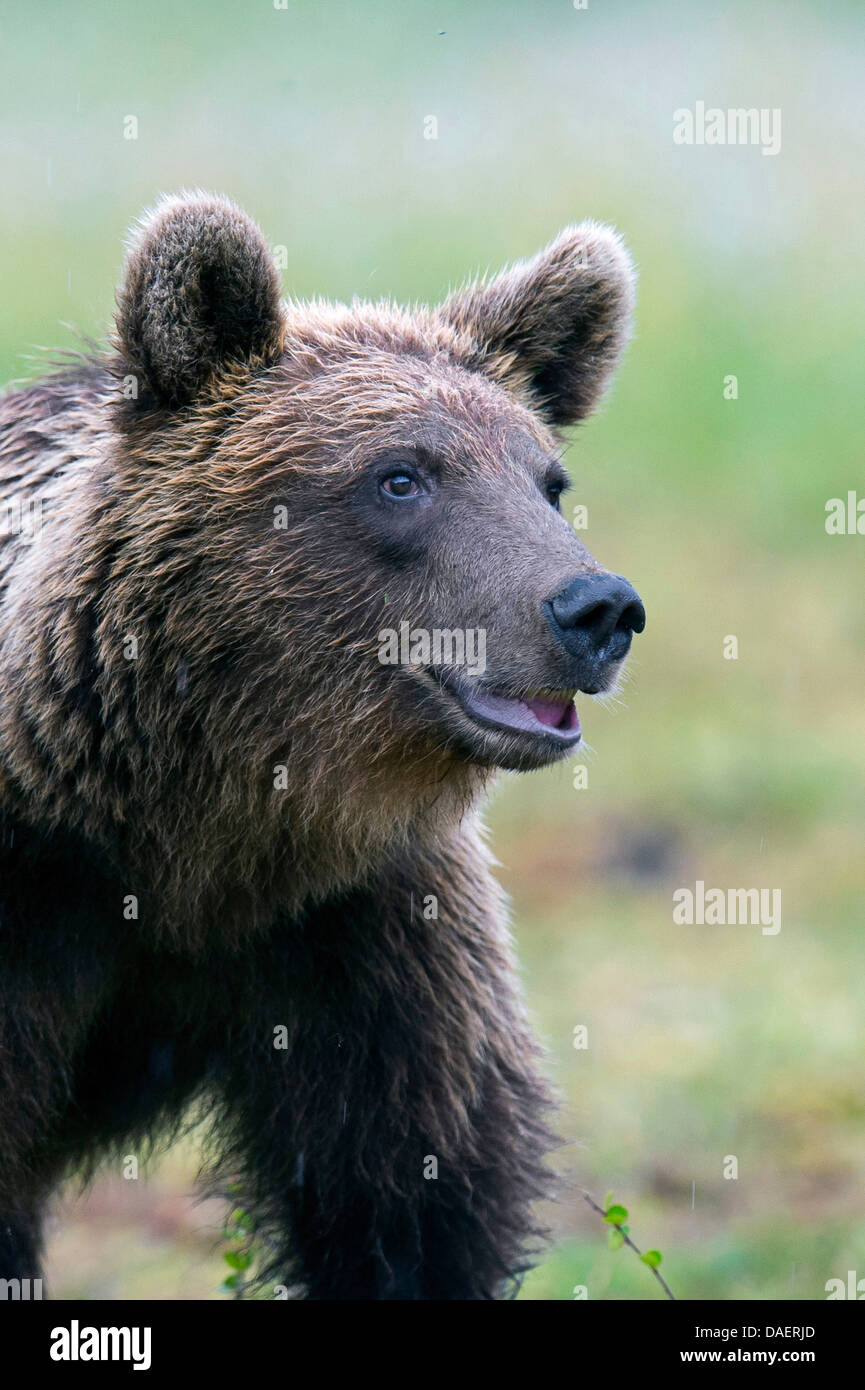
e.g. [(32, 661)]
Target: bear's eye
[(401, 485), (555, 483), (554, 493)]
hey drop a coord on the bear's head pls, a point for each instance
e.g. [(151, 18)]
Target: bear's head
[(351, 515)]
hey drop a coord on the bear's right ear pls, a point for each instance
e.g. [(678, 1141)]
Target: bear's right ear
[(200, 292)]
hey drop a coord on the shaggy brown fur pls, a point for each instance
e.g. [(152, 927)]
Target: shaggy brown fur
[(221, 813)]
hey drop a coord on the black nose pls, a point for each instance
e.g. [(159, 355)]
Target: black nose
[(593, 619)]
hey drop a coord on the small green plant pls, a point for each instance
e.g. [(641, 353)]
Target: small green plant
[(240, 1231), (619, 1234)]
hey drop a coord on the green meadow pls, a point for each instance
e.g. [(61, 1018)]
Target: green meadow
[(741, 765)]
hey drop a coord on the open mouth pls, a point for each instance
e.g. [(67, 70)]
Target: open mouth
[(552, 716)]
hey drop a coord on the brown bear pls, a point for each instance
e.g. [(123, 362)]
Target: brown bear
[(284, 584)]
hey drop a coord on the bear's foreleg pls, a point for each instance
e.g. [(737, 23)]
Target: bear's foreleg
[(384, 1106)]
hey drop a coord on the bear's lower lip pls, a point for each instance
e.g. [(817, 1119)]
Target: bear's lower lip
[(551, 717)]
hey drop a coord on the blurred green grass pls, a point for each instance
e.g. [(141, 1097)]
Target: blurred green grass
[(703, 1041)]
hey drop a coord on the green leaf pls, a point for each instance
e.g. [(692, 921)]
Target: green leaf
[(616, 1215), (231, 1284), (615, 1239), (237, 1259), (652, 1258), (608, 1200)]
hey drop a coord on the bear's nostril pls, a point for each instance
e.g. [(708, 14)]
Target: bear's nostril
[(599, 619), (633, 619)]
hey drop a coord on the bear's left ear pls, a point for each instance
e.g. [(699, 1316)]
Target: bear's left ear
[(200, 292), (555, 324)]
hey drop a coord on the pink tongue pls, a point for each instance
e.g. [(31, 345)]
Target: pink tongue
[(550, 712)]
